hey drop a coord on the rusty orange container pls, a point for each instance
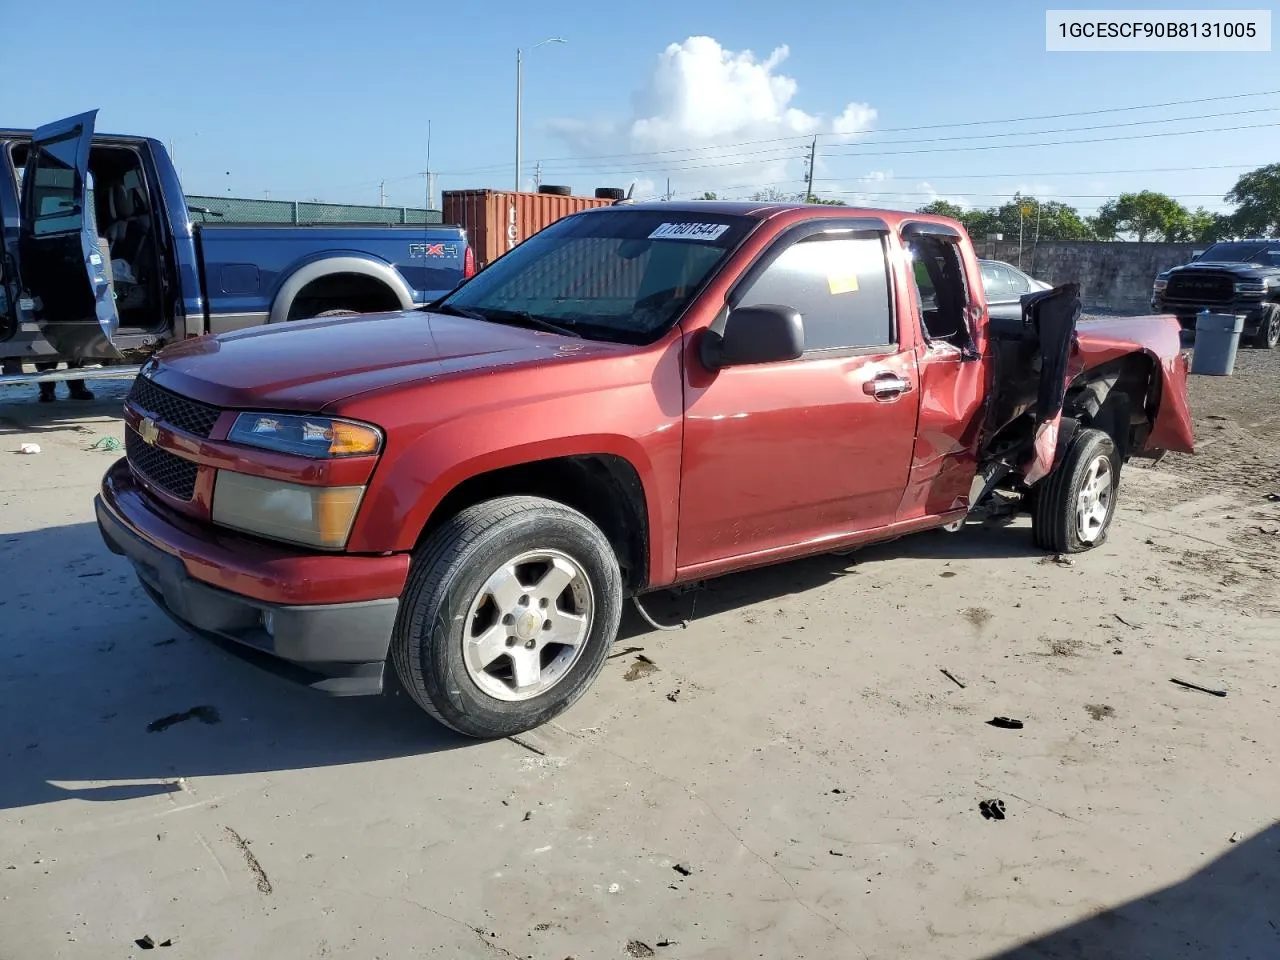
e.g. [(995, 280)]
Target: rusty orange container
[(497, 220)]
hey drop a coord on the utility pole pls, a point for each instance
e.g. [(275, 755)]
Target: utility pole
[(382, 193), (813, 158), (537, 175), (667, 196), (519, 96)]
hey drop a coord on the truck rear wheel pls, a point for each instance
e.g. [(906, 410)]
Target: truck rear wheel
[(1075, 503), (1268, 335), (508, 616)]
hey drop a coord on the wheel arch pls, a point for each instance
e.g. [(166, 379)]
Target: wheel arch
[(335, 266), (605, 487), (1120, 397)]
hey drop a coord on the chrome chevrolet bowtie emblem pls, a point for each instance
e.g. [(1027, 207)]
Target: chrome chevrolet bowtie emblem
[(148, 431)]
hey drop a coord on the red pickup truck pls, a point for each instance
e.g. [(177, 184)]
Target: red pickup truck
[(637, 396)]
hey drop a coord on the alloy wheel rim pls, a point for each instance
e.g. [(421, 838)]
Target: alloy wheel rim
[(1093, 502), (528, 625)]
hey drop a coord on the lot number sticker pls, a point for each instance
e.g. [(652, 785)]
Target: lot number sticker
[(689, 231)]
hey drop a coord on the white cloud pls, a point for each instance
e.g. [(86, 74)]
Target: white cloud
[(711, 119)]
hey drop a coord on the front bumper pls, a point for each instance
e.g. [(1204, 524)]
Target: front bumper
[(1251, 310), (336, 648)]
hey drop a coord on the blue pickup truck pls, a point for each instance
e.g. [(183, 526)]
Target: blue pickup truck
[(103, 264)]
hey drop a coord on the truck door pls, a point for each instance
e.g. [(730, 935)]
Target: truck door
[(64, 266), (782, 454)]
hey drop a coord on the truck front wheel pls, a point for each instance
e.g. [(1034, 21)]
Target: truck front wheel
[(1075, 503), (508, 616), (1268, 335)]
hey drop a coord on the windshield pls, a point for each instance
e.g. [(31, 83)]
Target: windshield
[(1241, 252), (621, 275)]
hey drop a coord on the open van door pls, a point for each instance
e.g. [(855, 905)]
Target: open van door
[(64, 266)]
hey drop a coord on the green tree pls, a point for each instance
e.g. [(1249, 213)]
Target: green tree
[(1206, 226), (943, 208), (1049, 220), (709, 196), (1144, 216), (814, 198), (1257, 199)]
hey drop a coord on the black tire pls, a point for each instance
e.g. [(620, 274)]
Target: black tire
[(556, 191), (1054, 522), (449, 572), (1267, 336), (610, 193)]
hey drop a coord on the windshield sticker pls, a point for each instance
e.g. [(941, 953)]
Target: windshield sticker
[(689, 231), (842, 283)]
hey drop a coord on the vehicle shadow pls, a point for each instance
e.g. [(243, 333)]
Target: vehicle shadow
[(995, 538), (1229, 908), (21, 412), (87, 663)]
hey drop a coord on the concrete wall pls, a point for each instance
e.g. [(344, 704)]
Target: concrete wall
[(1116, 275)]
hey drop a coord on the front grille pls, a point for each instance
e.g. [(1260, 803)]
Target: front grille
[(1201, 288), (189, 416), (167, 471)]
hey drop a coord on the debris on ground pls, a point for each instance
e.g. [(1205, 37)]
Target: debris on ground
[(1131, 626), (1269, 530), (952, 677), (683, 869), (148, 942), (623, 653), (1005, 723), (1195, 686), (528, 815), (665, 942), (947, 573), (992, 809), (30, 449), (205, 714), (835, 853), (260, 875), (1060, 559), (978, 616), (1234, 838), (674, 695), (542, 927), (638, 948), (1063, 646), (1099, 711), (836, 790), (108, 444), (642, 668), (1272, 497)]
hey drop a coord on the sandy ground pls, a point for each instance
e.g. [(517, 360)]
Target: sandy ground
[(793, 777)]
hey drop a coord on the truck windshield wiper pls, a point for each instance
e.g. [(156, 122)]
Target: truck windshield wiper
[(528, 319), (455, 311)]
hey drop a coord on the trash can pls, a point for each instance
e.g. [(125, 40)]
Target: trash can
[(1217, 338)]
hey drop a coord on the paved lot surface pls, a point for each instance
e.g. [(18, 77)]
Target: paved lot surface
[(793, 777)]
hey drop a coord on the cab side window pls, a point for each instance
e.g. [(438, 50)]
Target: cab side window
[(838, 284), (942, 292)]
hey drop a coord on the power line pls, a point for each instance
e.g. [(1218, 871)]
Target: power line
[(797, 138), (680, 165)]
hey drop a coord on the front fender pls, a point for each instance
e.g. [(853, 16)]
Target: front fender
[(327, 264)]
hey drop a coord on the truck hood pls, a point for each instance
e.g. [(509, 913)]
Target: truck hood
[(307, 365), (1245, 271)]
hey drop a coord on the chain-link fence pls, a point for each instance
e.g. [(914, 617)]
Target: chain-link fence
[(246, 210)]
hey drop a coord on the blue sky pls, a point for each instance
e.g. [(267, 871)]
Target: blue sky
[(325, 99)]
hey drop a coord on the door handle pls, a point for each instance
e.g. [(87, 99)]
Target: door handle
[(886, 386)]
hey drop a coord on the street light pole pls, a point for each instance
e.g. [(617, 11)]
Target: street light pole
[(519, 92)]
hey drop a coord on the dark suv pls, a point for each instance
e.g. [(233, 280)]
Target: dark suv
[(1233, 276)]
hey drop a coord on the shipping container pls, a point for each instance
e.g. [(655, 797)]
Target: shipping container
[(497, 220)]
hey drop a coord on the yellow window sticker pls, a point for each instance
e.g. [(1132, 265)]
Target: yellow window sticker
[(842, 283)]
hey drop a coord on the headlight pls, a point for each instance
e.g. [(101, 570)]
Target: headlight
[(1159, 285), (1256, 287), (321, 437), (292, 512)]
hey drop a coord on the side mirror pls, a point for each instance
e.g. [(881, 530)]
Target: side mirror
[(761, 334)]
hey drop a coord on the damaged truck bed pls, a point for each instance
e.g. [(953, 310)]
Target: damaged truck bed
[(637, 396)]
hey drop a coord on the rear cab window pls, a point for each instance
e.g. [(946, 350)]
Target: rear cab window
[(623, 275)]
